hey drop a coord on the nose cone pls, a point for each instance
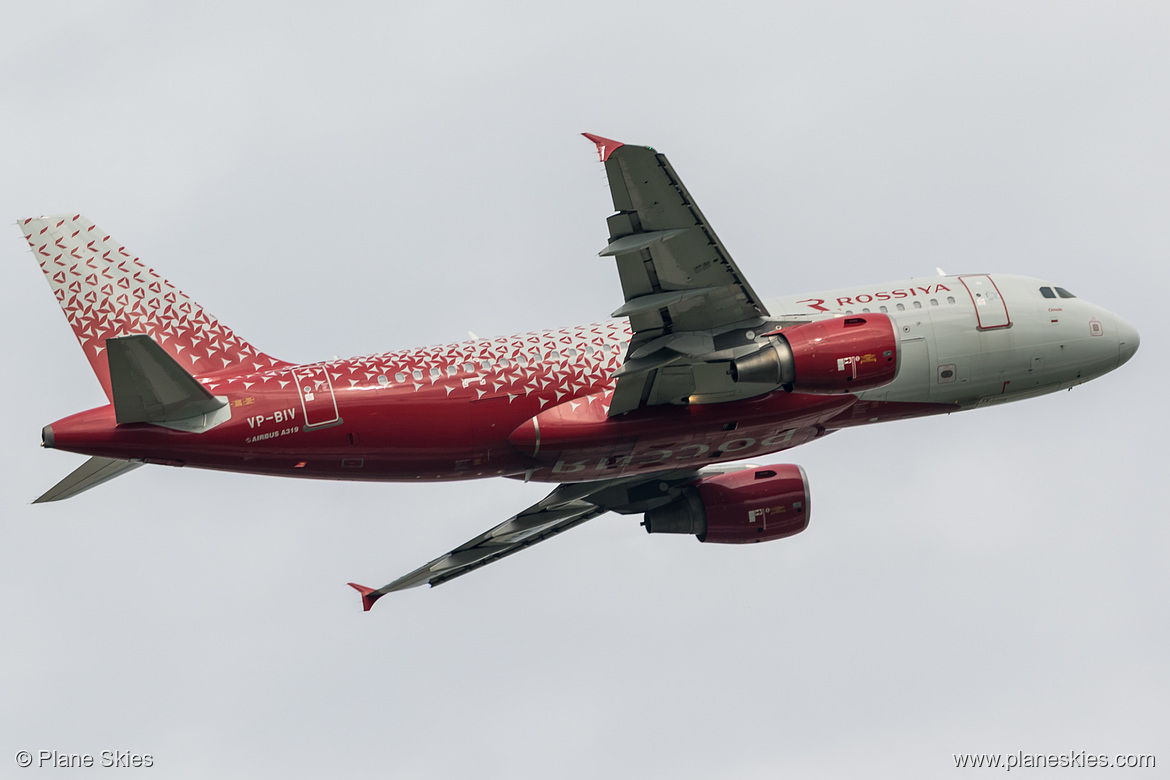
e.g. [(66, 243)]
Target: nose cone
[(1128, 340)]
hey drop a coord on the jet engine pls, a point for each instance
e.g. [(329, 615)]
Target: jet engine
[(741, 507), (841, 355)]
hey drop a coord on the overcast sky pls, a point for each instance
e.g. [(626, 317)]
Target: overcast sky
[(339, 178)]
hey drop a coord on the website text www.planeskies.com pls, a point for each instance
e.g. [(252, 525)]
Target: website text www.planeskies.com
[(1073, 759)]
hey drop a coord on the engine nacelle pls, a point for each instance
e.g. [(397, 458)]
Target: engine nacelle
[(841, 355), (754, 505)]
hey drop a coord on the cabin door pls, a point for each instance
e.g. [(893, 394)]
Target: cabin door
[(317, 399)]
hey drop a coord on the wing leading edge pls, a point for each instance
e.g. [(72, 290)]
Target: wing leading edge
[(691, 312), (566, 507), (687, 301)]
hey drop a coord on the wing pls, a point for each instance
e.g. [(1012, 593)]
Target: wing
[(567, 506), (689, 305)]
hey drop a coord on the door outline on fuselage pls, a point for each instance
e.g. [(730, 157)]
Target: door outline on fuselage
[(914, 368), (914, 362), (312, 384), (991, 310)]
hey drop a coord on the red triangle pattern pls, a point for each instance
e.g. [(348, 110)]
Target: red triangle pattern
[(105, 293), (551, 364)]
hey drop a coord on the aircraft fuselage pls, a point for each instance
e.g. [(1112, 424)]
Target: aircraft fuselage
[(535, 405)]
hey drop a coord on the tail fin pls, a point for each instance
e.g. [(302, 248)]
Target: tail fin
[(106, 293)]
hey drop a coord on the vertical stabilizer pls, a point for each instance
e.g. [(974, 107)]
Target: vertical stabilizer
[(106, 292)]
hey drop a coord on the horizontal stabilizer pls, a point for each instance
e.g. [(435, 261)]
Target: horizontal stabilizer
[(150, 386), (92, 473)]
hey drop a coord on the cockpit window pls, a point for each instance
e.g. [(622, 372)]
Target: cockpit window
[(1047, 292), (1063, 293)]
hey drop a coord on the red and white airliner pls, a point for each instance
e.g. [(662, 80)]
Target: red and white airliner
[(637, 414)]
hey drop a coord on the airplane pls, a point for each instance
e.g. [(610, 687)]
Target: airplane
[(649, 412)]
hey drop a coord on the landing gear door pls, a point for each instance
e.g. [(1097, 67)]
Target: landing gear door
[(990, 308), (317, 399)]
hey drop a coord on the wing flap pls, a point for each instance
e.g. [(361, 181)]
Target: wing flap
[(655, 301), (566, 507), (636, 242), (525, 529), (663, 243), (682, 289)]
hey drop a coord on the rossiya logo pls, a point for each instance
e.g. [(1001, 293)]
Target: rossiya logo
[(881, 295)]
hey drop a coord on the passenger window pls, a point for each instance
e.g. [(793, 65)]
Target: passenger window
[(934, 301), (417, 374), (452, 370), (883, 309), (950, 299), (1047, 292), (917, 304), (1063, 293), (901, 307), (400, 377), (435, 372)]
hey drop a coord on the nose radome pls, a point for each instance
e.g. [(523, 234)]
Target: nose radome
[(1128, 340)]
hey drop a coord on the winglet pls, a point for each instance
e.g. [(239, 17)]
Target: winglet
[(369, 595), (605, 147)]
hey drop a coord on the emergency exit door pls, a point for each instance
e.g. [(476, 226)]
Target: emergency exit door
[(317, 399)]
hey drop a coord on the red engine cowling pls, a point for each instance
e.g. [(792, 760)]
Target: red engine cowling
[(754, 505), (841, 355)]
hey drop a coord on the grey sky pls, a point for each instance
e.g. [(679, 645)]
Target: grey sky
[(341, 178)]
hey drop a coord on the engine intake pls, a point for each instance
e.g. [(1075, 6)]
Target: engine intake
[(741, 507), (841, 355)]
